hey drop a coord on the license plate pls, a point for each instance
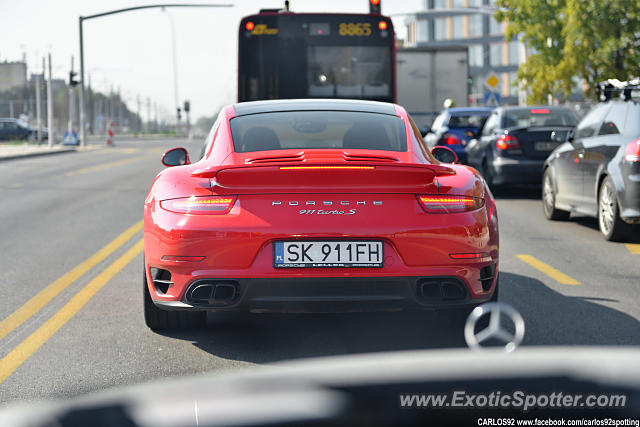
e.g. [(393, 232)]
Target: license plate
[(546, 146), (328, 254)]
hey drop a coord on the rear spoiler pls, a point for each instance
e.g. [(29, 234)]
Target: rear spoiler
[(303, 178)]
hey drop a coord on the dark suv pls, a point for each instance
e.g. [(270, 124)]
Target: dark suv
[(597, 171)]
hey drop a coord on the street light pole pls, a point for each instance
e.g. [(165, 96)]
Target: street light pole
[(81, 19), (83, 130)]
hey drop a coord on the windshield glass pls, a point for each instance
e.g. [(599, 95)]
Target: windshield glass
[(529, 117), (318, 129), (467, 120)]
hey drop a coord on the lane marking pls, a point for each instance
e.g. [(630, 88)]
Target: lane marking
[(634, 248), (104, 166), (545, 268), (33, 342), (38, 301)]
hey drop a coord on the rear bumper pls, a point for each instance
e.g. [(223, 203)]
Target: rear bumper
[(517, 171), (331, 294)]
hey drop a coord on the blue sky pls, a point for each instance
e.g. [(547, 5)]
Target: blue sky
[(132, 51)]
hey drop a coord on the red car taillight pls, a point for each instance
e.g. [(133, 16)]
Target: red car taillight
[(450, 139), (216, 205), (507, 142), (632, 152), (449, 204)]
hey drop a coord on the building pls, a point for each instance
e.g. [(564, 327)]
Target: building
[(471, 23), (12, 74)]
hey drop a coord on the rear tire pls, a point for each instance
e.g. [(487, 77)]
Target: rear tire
[(549, 200), (611, 225), (158, 319)]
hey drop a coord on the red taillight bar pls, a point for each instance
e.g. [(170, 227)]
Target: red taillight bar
[(449, 204), (216, 205), (632, 151), (180, 258)]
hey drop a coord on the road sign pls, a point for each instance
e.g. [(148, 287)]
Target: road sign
[(491, 98), (492, 81)]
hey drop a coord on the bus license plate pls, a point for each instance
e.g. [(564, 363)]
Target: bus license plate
[(328, 254)]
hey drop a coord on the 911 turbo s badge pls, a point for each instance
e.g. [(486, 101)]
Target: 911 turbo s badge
[(325, 212)]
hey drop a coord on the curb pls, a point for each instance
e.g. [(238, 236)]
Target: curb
[(37, 154)]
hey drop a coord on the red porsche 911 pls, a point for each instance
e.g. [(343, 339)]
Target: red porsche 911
[(315, 206)]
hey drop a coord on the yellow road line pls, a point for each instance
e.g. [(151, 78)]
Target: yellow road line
[(33, 342), (104, 166), (545, 268), (38, 301), (634, 248)]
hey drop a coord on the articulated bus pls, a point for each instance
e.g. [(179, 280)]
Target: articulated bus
[(285, 55)]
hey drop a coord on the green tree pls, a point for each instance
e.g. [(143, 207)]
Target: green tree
[(589, 39)]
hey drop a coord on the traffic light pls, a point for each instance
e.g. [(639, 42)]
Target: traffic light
[(179, 113), (72, 81), (187, 106), (374, 7)]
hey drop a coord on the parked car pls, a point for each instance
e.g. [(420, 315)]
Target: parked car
[(12, 129), (596, 172), (514, 142), (454, 127)]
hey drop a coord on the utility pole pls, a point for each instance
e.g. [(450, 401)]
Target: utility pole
[(71, 109), (39, 105), (50, 125)]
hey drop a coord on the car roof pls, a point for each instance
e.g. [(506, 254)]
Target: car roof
[(257, 107), (534, 107), (458, 110)]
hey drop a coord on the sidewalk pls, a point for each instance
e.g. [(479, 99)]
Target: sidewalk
[(18, 151)]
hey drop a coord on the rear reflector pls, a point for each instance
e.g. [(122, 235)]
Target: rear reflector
[(326, 167), (449, 204), (507, 142), (183, 258), (200, 205), (474, 255), (632, 152)]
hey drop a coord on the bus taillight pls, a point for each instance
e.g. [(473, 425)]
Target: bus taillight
[(250, 26)]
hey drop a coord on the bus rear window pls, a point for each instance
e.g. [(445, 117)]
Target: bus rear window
[(317, 130)]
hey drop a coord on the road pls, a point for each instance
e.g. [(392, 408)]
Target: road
[(70, 311)]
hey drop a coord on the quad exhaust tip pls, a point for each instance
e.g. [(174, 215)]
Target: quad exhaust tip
[(213, 292)]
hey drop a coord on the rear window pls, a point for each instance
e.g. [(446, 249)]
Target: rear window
[(530, 117), (318, 129), (467, 120)]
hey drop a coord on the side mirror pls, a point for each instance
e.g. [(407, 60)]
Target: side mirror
[(562, 135), (175, 157), (444, 154)]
